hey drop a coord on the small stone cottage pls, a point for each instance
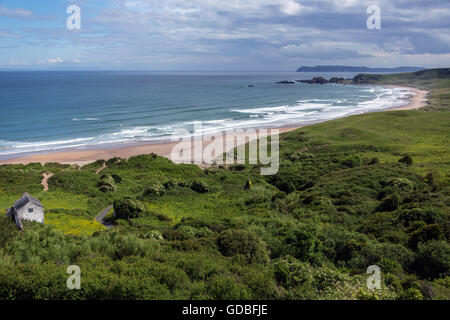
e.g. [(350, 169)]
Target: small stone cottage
[(26, 208)]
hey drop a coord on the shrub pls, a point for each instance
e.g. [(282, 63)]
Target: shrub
[(374, 160), (354, 160), (128, 208), (156, 189), (199, 186), (233, 242), (407, 159), (433, 259), (390, 203), (279, 195), (226, 288), (198, 233), (107, 184), (424, 234), (116, 178), (303, 243), (154, 234), (112, 161), (400, 183), (298, 156), (411, 294), (381, 253), (430, 179), (290, 272)]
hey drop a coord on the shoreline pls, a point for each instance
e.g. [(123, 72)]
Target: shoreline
[(164, 149)]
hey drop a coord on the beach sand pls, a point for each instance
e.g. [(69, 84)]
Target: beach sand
[(83, 157)]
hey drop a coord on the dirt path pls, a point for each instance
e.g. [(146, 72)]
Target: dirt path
[(102, 215), (102, 168), (45, 180)]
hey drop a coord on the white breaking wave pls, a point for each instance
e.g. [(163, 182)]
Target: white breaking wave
[(85, 119)]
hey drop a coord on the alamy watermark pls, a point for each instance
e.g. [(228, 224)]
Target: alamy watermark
[(374, 280), (74, 281), (209, 149), (73, 22), (374, 20)]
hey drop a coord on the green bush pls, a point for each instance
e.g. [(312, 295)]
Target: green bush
[(226, 288), (424, 234), (289, 272), (232, 242), (352, 161), (199, 186), (390, 203), (411, 294), (128, 208), (154, 234), (107, 184), (156, 189), (433, 259)]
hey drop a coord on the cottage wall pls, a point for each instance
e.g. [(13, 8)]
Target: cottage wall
[(37, 213)]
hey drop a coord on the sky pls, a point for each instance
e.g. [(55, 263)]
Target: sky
[(222, 35)]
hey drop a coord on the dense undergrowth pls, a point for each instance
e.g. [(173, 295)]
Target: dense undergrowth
[(341, 201)]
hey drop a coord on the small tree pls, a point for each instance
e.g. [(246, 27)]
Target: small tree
[(128, 208)]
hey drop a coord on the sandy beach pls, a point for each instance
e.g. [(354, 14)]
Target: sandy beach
[(83, 157)]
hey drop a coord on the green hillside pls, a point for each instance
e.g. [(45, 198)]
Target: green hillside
[(370, 189)]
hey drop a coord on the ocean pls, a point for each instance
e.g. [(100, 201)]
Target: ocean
[(48, 111)]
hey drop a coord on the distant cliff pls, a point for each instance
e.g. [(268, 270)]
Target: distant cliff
[(356, 69)]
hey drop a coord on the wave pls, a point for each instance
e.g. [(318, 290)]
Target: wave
[(85, 119), (301, 112)]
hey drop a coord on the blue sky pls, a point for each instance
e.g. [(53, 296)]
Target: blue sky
[(222, 35)]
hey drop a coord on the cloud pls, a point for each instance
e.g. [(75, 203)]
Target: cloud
[(57, 60), (15, 13), (320, 50), (251, 34), (7, 34), (21, 14), (15, 62)]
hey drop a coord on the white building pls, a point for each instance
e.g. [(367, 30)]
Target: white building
[(26, 208)]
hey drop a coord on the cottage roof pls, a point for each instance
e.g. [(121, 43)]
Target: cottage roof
[(9, 212), (24, 200)]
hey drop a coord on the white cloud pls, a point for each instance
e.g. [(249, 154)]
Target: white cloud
[(7, 34), (56, 60), (14, 62), (15, 13), (50, 61)]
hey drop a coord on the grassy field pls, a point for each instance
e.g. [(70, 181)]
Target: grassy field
[(362, 190)]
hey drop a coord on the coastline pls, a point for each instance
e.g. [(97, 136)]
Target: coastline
[(164, 149)]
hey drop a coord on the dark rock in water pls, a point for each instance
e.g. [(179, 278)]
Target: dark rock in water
[(319, 80), (250, 86), (285, 82)]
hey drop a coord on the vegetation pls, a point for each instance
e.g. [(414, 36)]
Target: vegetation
[(340, 202)]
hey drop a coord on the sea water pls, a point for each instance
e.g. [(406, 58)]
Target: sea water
[(47, 111)]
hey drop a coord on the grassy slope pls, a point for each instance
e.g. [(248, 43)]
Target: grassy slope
[(325, 229)]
